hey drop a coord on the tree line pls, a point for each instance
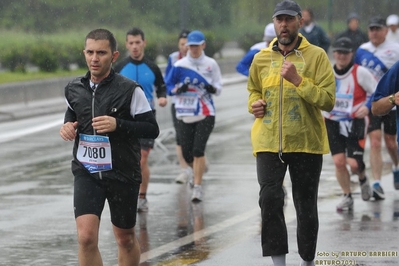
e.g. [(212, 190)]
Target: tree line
[(52, 31), (46, 16)]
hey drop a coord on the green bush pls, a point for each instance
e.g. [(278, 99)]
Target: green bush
[(76, 56), (15, 59), (52, 52), (168, 45), (213, 44), (151, 50), (249, 35), (45, 56), (64, 58), (247, 40)]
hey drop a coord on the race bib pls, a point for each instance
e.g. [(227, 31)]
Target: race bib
[(343, 105), (94, 152), (186, 104)]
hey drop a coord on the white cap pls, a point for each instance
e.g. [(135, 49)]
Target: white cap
[(270, 32), (392, 20)]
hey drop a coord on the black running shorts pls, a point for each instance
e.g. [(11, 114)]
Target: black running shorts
[(351, 145), (90, 195), (388, 121)]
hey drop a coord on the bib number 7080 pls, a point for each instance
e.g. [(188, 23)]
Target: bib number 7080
[(94, 152)]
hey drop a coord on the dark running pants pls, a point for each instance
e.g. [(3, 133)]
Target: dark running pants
[(194, 136), (304, 169)]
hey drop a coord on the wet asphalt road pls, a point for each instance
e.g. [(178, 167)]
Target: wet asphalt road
[(36, 215)]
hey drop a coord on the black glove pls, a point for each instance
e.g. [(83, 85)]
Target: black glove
[(182, 89), (209, 88)]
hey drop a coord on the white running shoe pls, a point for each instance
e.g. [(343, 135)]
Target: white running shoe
[(197, 193), (142, 205), (182, 177), (346, 204)]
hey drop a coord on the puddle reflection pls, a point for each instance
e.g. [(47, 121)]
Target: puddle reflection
[(189, 231)]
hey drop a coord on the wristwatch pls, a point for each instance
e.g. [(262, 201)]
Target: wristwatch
[(391, 99)]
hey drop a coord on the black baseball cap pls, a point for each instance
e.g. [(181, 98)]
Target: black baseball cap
[(287, 7), (351, 16), (343, 44), (184, 34), (378, 22)]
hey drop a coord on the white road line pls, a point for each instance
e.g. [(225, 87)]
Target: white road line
[(19, 131)]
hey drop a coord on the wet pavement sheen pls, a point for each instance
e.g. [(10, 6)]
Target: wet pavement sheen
[(36, 214)]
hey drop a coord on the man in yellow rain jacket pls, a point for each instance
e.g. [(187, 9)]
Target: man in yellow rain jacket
[(290, 83)]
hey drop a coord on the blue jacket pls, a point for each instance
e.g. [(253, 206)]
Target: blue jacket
[(146, 73), (245, 63), (389, 84)]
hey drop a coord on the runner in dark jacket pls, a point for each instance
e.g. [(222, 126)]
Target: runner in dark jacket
[(106, 115), (353, 32)]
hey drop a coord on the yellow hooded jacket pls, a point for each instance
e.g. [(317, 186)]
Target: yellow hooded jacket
[(293, 121)]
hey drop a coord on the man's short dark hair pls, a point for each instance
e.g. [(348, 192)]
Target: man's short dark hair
[(135, 32), (103, 34)]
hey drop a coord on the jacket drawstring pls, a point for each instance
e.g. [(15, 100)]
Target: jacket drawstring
[(280, 122)]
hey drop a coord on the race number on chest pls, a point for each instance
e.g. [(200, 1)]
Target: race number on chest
[(94, 152)]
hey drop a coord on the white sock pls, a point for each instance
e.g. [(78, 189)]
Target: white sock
[(395, 168), (306, 263), (377, 182), (279, 260)]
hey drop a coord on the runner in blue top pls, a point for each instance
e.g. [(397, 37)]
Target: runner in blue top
[(140, 69), (386, 97), (244, 64), (378, 55)]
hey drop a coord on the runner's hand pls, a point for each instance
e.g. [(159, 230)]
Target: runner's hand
[(162, 101), (104, 124), (362, 112), (258, 108), (68, 130), (289, 72)]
